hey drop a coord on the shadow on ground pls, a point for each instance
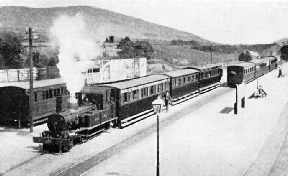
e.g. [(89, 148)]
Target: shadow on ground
[(227, 110)]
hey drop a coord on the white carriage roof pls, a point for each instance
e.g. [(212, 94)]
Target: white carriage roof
[(182, 72), (208, 66), (36, 84), (136, 82), (243, 64), (259, 61)]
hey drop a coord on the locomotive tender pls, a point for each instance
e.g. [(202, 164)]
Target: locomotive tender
[(245, 72)]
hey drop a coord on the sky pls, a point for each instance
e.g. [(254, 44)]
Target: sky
[(228, 22)]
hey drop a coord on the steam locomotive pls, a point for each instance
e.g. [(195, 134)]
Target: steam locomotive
[(122, 103)]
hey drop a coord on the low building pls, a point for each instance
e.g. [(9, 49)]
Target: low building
[(109, 70)]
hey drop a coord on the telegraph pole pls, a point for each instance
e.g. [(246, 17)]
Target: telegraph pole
[(30, 30)]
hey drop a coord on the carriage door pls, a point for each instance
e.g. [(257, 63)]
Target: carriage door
[(58, 103), (114, 103)]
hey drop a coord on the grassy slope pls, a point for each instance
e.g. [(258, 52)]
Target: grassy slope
[(179, 55)]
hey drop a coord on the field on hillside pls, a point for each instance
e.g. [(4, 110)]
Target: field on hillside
[(179, 55), (168, 58)]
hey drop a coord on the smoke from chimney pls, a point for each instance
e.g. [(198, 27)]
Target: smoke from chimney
[(76, 45)]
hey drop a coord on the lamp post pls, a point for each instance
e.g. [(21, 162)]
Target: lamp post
[(157, 107)]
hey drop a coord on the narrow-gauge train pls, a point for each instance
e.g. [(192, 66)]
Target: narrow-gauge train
[(245, 72), (123, 103)]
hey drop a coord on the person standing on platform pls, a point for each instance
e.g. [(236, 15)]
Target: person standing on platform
[(280, 72), (167, 101)]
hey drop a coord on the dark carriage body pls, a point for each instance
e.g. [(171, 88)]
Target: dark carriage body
[(240, 73), (183, 82), (261, 67), (49, 96), (135, 96), (208, 75), (273, 62)]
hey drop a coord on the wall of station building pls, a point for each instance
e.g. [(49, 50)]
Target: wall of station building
[(116, 69)]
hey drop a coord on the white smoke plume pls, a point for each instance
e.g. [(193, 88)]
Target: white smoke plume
[(76, 47)]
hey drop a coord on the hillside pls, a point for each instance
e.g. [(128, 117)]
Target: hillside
[(101, 22), (169, 57)]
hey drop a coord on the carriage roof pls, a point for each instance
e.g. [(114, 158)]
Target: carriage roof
[(182, 72), (242, 64), (36, 84), (135, 82), (209, 66), (259, 61)]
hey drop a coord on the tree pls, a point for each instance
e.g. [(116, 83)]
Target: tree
[(10, 49), (245, 56), (284, 52), (143, 48), (130, 49), (127, 48)]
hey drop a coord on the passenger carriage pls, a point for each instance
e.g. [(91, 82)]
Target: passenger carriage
[(184, 83), (261, 67), (209, 76), (133, 98), (49, 96), (240, 73), (273, 62)]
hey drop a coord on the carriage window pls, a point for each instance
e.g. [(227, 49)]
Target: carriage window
[(152, 90), (144, 92), (179, 81), (166, 86), (43, 95), (135, 94), (160, 87), (62, 91), (47, 94), (55, 92), (50, 93), (125, 97), (189, 78), (35, 96), (58, 91)]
